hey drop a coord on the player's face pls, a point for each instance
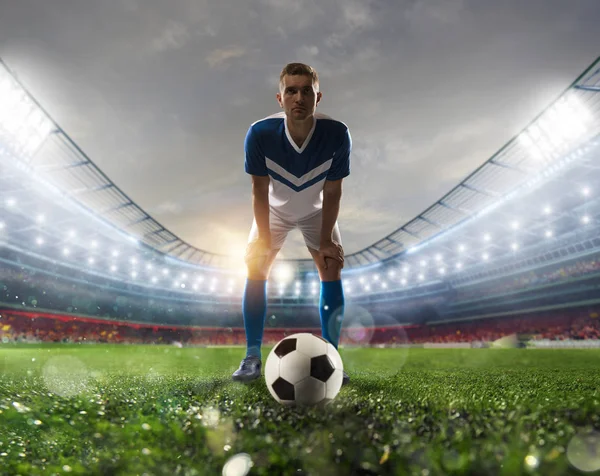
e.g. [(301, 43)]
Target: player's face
[(299, 97)]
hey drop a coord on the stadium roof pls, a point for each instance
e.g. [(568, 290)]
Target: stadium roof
[(44, 149)]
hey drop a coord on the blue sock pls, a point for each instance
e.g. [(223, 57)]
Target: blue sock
[(331, 309), (254, 309)]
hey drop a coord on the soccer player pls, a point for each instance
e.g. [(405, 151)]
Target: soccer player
[(297, 159)]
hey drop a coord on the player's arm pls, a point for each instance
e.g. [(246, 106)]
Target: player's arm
[(255, 165), (332, 195), (260, 205)]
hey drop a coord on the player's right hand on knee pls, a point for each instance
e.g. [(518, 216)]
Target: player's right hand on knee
[(258, 248)]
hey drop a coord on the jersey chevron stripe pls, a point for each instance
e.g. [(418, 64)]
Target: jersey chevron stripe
[(304, 186), (290, 177)]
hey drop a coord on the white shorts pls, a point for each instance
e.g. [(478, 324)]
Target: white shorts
[(310, 228)]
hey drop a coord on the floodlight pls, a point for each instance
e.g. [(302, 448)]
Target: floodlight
[(313, 292), (391, 273), (165, 271), (548, 233), (438, 257), (362, 280), (423, 262), (585, 219), (421, 277), (406, 268), (40, 218), (66, 251), (485, 256), (514, 225), (557, 130), (403, 282), (487, 237), (10, 202), (230, 290), (547, 210), (458, 265), (2, 225), (376, 277), (148, 266), (383, 284), (585, 191), (91, 260), (39, 241), (442, 270), (514, 246), (212, 289), (367, 288), (94, 244), (23, 125), (461, 248), (182, 285), (133, 261), (284, 273), (115, 253), (133, 274), (154, 279), (113, 268), (72, 233)]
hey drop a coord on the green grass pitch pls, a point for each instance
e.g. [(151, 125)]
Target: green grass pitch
[(109, 409)]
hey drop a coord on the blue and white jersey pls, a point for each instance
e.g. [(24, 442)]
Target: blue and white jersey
[(298, 174)]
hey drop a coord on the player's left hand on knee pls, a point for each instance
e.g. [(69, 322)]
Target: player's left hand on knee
[(331, 249)]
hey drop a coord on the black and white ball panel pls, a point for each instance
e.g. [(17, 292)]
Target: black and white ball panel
[(310, 391), (285, 347), (294, 367), (311, 345)]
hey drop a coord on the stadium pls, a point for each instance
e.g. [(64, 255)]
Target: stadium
[(501, 269)]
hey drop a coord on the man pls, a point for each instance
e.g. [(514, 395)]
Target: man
[(297, 159)]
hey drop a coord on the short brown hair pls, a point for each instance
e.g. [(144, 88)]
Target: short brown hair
[(299, 69)]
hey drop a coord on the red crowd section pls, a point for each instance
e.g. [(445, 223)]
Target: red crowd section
[(27, 326)]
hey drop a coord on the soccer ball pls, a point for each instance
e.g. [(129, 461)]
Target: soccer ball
[(304, 369)]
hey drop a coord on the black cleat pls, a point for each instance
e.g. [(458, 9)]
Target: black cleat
[(345, 379), (249, 370)]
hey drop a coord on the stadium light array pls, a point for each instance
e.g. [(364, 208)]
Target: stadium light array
[(557, 130), (23, 125)]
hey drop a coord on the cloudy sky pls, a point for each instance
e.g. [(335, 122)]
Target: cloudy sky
[(160, 94)]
